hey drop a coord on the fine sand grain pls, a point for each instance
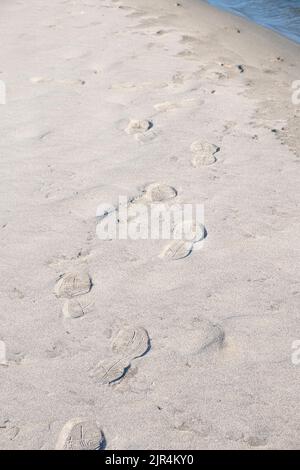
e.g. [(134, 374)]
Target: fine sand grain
[(166, 346)]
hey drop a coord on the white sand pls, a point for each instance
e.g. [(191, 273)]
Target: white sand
[(76, 72)]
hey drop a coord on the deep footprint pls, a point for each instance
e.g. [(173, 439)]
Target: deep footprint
[(73, 284), (137, 126), (204, 153), (107, 372), (129, 344), (80, 434)]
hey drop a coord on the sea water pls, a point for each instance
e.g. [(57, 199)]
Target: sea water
[(281, 15)]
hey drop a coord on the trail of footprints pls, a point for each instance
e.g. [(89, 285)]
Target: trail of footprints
[(131, 343), (185, 234), (128, 345)]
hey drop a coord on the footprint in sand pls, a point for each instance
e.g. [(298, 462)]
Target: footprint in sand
[(136, 126), (208, 335), (187, 39), (189, 230), (4, 420), (204, 153), (77, 307), (177, 249), (165, 106), (13, 432), (109, 371), (161, 32), (129, 344), (196, 338), (146, 137), (259, 438), (186, 234), (40, 80), (67, 81), (110, 217), (80, 434), (158, 192), (73, 284)]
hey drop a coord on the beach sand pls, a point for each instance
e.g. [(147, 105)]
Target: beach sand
[(213, 368)]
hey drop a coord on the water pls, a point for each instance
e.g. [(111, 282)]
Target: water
[(281, 15)]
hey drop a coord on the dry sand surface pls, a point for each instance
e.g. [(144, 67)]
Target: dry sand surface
[(153, 352)]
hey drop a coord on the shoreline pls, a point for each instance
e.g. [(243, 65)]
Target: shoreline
[(106, 100), (291, 36), (215, 17)]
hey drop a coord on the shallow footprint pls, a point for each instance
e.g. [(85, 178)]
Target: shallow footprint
[(202, 336), (157, 192), (80, 434), (165, 106), (70, 81), (189, 230), (137, 126), (76, 308), (146, 137), (177, 249), (208, 334), (73, 284), (40, 80), (204, 153), (131, 342)]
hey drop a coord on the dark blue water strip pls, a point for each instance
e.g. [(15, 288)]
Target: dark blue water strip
[(282, 16)]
